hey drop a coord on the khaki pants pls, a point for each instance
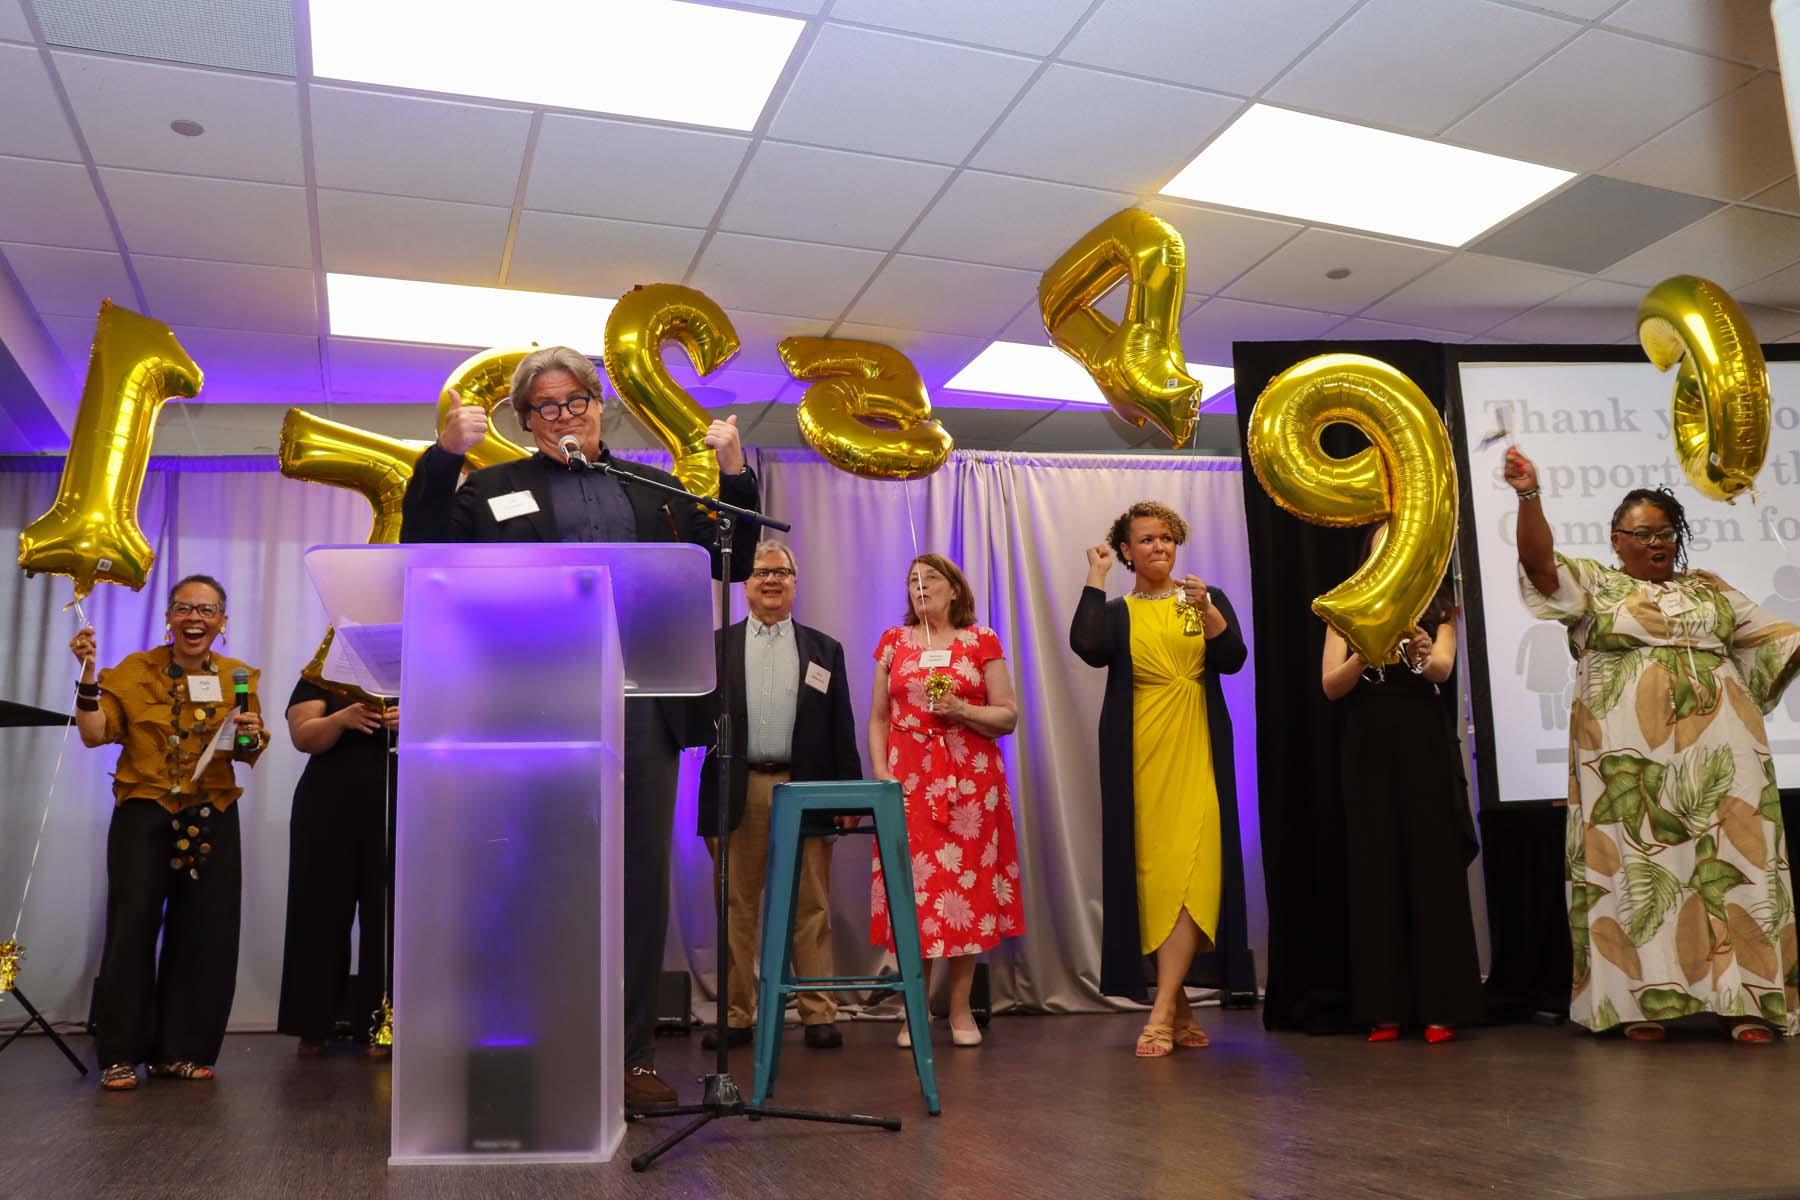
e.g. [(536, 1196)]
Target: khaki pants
[(812, 912)]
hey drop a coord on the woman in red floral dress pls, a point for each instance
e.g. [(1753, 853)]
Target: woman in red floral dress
[(937, 740)]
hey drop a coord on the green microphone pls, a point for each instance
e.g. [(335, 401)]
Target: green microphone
[(240, 687)]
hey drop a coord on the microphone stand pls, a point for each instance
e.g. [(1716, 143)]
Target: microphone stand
[(720, 1096)]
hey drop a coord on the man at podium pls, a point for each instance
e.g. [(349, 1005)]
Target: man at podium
[(547, 498)]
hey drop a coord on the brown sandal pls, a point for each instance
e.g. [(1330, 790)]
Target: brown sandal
[(181, 1070), (1156, 1041), (1189, 1035), (1750, 1032), (1644, 1031), (120, 1077)]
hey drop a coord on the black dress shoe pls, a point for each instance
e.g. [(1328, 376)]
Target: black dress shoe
[(734, 1036), (823, 1037)]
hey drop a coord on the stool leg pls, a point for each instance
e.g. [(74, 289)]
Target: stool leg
[(780, 885), (896, 869)]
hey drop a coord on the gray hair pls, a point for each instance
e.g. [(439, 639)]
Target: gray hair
[(552, 358), (776, 546)]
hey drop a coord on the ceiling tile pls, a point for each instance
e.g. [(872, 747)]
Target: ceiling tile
[(35, 126), (602, 168), (1594, 223), (1581, 10), (1079, 429), (944, 296), (250, 424), (1295, 274), (12, 21), (398, 369), (245, 35), (1226, 45), (768, 275), (936, 356), (1595, 312), (74, 336), (1418, 65), (1738, 29), (253, 368), (804, 192), (1772, 324), (1784, 195), (1731, 247), (372, 142), (70, 282), (1363, 329), (726, 387), (758, 335), (804, 8), (987, 428), (1594, 99), (1732, 148), (53, 203), (124, 109), (228, 295), (1220, 245), (1472, 292), (1072, 127), (1027, 325), (1208, 330), (1781, 289), (187, 216), (404, 238), (1027, 26), (591, 256), (847, 94), (1010, 222)]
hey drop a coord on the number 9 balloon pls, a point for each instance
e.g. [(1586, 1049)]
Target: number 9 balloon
[(91, 533), (1406, 477), (1721, 418)]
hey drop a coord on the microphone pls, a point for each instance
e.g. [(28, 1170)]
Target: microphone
[(240, 686), (570, 445)]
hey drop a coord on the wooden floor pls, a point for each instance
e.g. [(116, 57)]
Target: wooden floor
[(1051, 1107)]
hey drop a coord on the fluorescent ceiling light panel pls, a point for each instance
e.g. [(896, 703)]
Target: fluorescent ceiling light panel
[(1335, 173), (661, 59), (1044, 372), (447, 314)]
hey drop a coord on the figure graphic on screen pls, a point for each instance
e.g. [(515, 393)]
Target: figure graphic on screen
[(1545, 663), (1785, 603)]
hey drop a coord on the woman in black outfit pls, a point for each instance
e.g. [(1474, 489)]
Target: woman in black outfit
[(1410, 837), (337, 865)]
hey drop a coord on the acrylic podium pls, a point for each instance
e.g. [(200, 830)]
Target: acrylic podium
[(512, 663)]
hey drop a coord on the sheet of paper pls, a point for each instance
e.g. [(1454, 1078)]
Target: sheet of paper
[(367, 656), (223, 740)]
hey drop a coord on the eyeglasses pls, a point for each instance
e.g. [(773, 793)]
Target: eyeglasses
[(1651, 537), (209, 611), (553, 411), (779, 574)]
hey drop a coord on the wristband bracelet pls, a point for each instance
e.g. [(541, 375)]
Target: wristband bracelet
[(87, 689), (1529, 494), (84, 704)]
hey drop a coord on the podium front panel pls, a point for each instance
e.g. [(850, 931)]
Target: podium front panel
[(507, 998)]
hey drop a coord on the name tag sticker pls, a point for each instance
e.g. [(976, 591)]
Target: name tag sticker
[(513, 504), (1673, 604), (817, 677), (204, 687), (934, 658)]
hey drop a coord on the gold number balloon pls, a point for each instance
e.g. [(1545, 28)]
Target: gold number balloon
[(91, 533), (639, 324), (485, 379), (1407, 477), (858, 381), (320, 451), (1722, 389), (1137, 363)]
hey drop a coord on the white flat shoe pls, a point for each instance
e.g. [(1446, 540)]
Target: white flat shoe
[(965, 1037)]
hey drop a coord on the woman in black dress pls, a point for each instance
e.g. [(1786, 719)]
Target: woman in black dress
[(1410, 838), (337, 865)]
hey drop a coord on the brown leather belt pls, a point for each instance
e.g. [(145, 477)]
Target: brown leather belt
[(768, 768)]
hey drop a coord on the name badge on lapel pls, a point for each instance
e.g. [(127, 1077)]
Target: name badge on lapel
[(204, 687), (513, 504), (817, 677)]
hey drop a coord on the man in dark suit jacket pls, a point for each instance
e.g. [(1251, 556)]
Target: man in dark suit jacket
[(791, 719), (556, 394)]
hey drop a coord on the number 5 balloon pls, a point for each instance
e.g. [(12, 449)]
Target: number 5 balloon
[(91, 533), (1722, 389), (1407, 477)]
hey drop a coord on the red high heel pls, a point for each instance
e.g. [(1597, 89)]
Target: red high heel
[(1436, 1034), (1385, 1033)]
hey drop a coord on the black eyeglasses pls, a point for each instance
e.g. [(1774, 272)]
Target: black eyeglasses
[(1651, 537), (781, 574), (553, 410), (209, 611)]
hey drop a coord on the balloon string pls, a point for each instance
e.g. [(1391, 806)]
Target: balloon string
[(49, 795)]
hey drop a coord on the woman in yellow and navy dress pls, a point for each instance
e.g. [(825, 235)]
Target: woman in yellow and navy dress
[(1172, 877), (172, 853)]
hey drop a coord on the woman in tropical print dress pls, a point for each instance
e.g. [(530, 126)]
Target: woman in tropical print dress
[(1679, 895), (941, 748)]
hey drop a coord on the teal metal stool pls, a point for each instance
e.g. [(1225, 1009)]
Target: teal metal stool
[(790, 808)]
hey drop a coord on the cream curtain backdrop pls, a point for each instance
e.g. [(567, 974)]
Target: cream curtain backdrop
[(1017, 523)]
